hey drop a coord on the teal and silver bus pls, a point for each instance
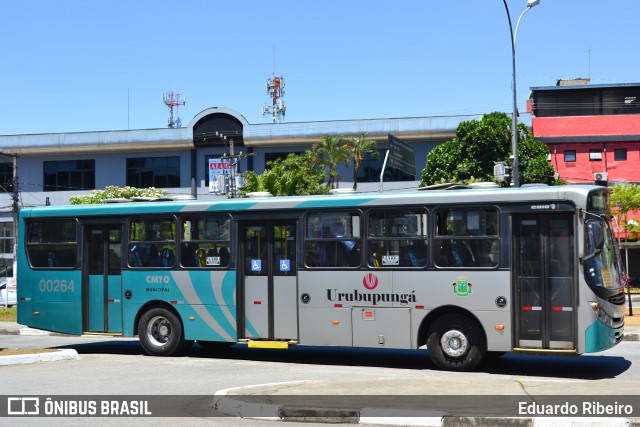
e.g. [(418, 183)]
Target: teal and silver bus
[(465, 273)]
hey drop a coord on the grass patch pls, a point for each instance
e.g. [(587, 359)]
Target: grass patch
[(17, 351), (8, 314)]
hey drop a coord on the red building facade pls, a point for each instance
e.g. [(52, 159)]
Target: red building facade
[(592, 131)]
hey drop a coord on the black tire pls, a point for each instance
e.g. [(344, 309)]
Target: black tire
[(215, 345), (456, 343), (160, 333)]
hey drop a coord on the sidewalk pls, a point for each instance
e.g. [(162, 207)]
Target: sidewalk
[(12, 328), (432, 402), (505, 401)]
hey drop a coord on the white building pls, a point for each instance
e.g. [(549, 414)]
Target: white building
[(50, 168)]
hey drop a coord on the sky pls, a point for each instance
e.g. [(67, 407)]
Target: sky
[(98, 65)]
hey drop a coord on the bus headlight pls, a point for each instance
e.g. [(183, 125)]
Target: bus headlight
[(602, 315)]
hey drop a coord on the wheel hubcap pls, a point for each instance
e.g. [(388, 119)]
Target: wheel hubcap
[(454, 343), (159, 331)]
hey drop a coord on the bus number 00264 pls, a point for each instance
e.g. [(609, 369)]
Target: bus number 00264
[(56, 285)]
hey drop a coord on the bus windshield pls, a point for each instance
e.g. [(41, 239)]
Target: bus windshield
[(601, 261)]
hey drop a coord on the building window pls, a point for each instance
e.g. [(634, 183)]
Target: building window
[(6, 246), (6, 177), (569, 155), (69, 175), (595, 155), (589, 101), (620, 154), (159, 172)]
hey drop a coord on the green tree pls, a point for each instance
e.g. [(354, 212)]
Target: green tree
[(360, 147), (624, 201), (478, 144), (330, 151), (293, 176), (115, 192)]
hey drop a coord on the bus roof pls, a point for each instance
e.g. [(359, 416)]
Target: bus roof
[(575, 193)]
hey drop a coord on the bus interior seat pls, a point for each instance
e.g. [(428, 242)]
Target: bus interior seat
[(168, 257), (462, 255), (134, 256), (201, 257), (224, 256), (51, 259)]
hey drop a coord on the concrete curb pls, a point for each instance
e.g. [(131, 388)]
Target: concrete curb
[(24, 330), (34, 332), (51, 356), (229, 404)]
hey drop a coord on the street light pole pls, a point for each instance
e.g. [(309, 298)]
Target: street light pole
[(514, 124)]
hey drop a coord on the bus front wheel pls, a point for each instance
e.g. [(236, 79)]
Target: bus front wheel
[(160, 332), (455, 343)]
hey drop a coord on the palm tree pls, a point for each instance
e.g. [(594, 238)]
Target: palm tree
[(360, 147), (331, 151)]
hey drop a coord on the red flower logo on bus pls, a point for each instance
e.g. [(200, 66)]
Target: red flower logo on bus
[(370, 281)]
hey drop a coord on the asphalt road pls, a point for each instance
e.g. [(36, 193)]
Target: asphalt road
[(119, 367)]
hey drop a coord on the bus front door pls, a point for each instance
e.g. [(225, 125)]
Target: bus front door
[(102, 284), (545, 295), (268, 285)]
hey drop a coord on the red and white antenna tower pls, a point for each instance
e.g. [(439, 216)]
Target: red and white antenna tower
[(172, 100), (275, 89)]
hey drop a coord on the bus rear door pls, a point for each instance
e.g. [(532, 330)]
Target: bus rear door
[(545, 285), (268, 280), (102, 280)]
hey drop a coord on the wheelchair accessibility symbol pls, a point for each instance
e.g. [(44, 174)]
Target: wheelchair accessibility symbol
[(285, 265), (256, 265)]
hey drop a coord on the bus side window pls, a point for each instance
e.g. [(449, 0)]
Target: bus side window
[(52, 243), (205, 241), (466, 238), (333, 239), (397, 238)]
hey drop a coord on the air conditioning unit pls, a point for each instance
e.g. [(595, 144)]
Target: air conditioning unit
[(601, 176)]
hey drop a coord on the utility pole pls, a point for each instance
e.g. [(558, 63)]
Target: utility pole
[(233, 159)]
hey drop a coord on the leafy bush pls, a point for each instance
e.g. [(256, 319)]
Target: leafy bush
[(115, 192)]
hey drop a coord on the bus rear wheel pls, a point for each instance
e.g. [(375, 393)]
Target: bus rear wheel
[(455, 343), (160, 333)]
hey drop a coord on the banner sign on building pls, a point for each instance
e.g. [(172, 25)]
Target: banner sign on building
[(218, 168)]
